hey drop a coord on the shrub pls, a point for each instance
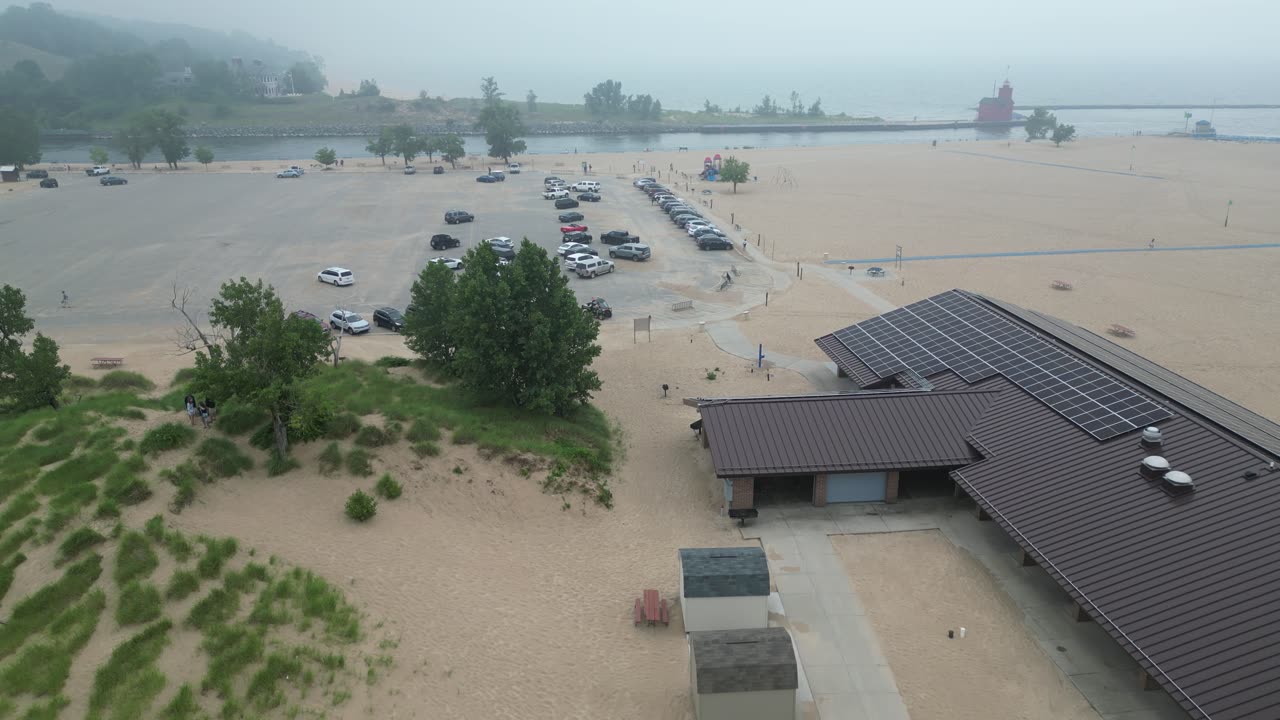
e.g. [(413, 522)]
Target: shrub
[(216, 554), (181, 584), (264, 438), (465, 436), (330, 459), (280, 464), (80, 383), (169, 436), (426, 449), (108, 508), (235, 418), (79, 541), (342, 425), (125, 380), (358, 462), (185, 375), (422, 430), (374, 436), (388, 488), (139, 603), (222, 458), (135, 559), (361, 506), (390, 361)]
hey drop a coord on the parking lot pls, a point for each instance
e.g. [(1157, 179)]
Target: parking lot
[(118, 251)]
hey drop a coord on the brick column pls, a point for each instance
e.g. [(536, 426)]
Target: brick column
[(744, 493), (820, 490), (891, 486)]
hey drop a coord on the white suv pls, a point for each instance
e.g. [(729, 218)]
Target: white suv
[(555, 194), (336, 276), (586, 186), (593, 267), (347, 321)]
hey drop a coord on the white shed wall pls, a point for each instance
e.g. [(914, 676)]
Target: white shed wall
[(764, 705), (725, 613)]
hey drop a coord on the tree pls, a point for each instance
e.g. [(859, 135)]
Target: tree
[(797, 105), (710, 109), (451, 148), (1040, 124), (489, 91), (428, 330), (383, 145), (767, 107), (263, 354), (735, 171), (19, 137), (606, 99), (326, 156), (815, 110), (1063, 133), (502, 129), (99, 155), (368, 88), (404, 143), (204, 156), (27, 381), (307, 78), (531, 102), (166, 131)]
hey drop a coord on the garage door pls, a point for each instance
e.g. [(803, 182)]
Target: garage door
[(855, 487)]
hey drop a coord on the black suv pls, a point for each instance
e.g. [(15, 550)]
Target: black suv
[(37, 174), (444, 242), (563, 203), (618, 237), (714, 242), (458, 216), (388, 317)]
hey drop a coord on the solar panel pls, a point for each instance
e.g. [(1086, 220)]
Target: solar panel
[(952, 331)]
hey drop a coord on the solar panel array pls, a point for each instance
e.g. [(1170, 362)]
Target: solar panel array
[(952, 331)]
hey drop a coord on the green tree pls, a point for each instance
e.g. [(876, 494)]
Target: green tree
[(429, 146), (767, 107), (735, 171), (27, 381), (710, 109), (815, 110), (307, 78), (167, 133), (1040, 124), (204, 156), (405, 143), (531, 102), (489, 91), (99, 155), (136, 141), (451, 148), (428, 330), (1063, 133), (502, 130), (19, 137), (264, 355), (606, 99), (797, 105), (368, 88), (383, 145), (326, 156)]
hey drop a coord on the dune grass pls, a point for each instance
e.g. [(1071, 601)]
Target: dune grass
[(216, 554), (67, 505), (123, 483), (18, 508), (231, 649), (221, 458), (8, 569), (135, 558), (127, 684), (181, 584), (359, 462), (222, 604), (388, 488), (42, 668), (174, 541), (236, 418), (81, 539), (42, 607), (330, 459), (84, 467), (126, 380), (139, 603), (13, 541), (168, 436), (183, 706)]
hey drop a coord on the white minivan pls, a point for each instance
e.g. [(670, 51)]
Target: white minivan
[(593, 267), (586, 186)]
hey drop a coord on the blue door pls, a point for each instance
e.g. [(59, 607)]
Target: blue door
[(856, 487)]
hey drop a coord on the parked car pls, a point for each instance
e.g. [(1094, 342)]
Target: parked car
[(444, 242), (288, 174), (97, 170), (514, 168), (487, 179), (566, 202), (682, 220), (585, 186), (712, 242), (641, 182), (347, 321), (572, 259), (618, 237), (336, 276), (500, 240), (37, 174), (630, 251), (437, 170), (589, 197), (549, 180), (570, 217), (705, 231), (498, 175), (502, 247), (553, 194), (875, 272), (48, 183), (297, 169), (389, 318), (573, 227), (451, 263), (578, 237), (410, 170), (458, 216), (112, 180), (573, 248), (593, 267)]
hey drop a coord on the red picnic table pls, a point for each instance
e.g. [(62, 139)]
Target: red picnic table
[(651, 609)]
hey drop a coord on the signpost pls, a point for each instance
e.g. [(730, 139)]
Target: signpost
[(1228, 217), (639, 324)]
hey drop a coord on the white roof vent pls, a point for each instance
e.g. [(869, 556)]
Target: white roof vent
[(1151, 437), (1178, 482), (1154, 466)]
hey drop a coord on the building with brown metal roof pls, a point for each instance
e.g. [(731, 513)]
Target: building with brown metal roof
[(1153, 502)]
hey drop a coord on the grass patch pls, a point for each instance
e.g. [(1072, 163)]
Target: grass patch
[(79, 383), (264, 438), (222, 458), (77, 542), (184, 477), (231, 649), (42, 668), (7, 570), (422, 430), (67, 504), (175, 542), (359, 462), (465, 435), (107, 509), (18, 508), (41, 607), (10, 544), (183, 376), (388, 488), (129, 682), (302, 596), (184, 705), (123, 484), (15, 478), (126, 380), (374, 436), (361, 506), (236, 418), (390, 361), (279, 464), (135, 558), (139, 603), (216, 608), (342, 425), (263, 692), (83, 468), (47, 710), (169, 436), (216, 554), (181, 585), (426, 449), (330, 459)]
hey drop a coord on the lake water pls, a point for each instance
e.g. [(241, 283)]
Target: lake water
[(1089, 123)]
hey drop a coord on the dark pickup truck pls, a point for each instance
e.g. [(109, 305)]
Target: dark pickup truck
[(618, 237), (444, 242)]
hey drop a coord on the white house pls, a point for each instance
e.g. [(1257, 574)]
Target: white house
[(743, 674), (724, 588)]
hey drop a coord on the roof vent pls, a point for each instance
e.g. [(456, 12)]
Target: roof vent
[(1178, 483), (1151, 438), (1154, 467)]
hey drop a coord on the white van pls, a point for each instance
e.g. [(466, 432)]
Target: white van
[(586, 186), (593, 267)]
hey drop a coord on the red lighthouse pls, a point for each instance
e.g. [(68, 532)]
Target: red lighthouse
[(999, 108)]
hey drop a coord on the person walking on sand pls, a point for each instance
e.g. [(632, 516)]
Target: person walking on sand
[(1151, 245), (204, 415), (66, 301), (213, 409), (190, 402)]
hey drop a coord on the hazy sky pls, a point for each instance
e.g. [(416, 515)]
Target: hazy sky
[(557, 48)]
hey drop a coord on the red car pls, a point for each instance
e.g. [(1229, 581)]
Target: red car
[(575, 227)]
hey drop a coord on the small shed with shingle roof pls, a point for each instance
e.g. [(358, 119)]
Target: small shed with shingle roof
[(724, 588), (743, 674)]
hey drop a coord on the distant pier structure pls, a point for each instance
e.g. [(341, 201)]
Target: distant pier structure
[(998, 108)]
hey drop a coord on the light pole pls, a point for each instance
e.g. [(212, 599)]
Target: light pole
[(1228, 217), (1131, 149)]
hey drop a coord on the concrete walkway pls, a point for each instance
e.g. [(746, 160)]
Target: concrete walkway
[(727, 335), (847, 673)]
